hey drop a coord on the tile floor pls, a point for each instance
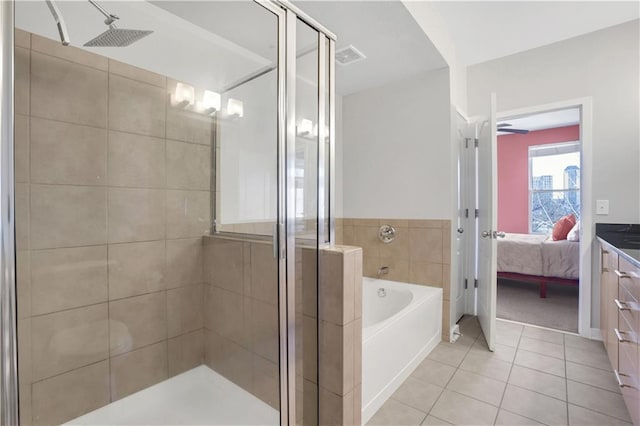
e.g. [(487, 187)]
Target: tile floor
[(535, 376)]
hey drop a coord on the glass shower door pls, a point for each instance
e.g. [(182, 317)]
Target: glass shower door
[(131, 309)]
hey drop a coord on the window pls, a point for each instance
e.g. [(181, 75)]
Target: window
[(554, 184)]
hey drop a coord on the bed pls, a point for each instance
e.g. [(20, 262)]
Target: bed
[(538, 259)]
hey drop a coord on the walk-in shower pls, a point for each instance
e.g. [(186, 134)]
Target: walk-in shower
[(169, 201)]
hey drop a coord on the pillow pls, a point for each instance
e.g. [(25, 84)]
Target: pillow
[(562, 227), (574, 234)]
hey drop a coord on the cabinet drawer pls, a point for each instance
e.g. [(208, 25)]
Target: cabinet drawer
[(628, 378), (629, 278)]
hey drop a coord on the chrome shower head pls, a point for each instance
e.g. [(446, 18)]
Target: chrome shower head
[(114, 37), (117, 37)]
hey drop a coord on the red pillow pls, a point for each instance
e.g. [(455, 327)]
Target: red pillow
[(562, 227)]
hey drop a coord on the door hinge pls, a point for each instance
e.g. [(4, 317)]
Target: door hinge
[(477, 213), (466, 142), (466, 283), (466, 213), (475, 142), (475, 283)]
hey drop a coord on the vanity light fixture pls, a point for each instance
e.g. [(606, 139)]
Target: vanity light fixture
[(211, 101), (305, 129), (184, 96), (235, 108)]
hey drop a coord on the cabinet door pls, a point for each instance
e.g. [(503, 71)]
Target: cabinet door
[(604, 295), (610, 281)]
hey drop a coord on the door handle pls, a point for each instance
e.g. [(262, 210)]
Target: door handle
[(619, 335), (460, 230), (621, 275), (623, 306), (493, 234)]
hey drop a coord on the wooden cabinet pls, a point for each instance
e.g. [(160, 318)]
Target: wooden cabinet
[(608, 309), (620, 323), (628, 328)]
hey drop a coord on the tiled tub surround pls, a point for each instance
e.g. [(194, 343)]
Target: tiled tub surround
[(112, 200), (420, 253), (340, 344)]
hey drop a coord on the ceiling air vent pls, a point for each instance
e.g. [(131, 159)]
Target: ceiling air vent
[(348, 55)]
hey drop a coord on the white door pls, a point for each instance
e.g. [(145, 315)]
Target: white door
[(462, 228), (487, 222)]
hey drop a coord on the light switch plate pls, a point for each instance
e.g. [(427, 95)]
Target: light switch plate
[(602, 207)]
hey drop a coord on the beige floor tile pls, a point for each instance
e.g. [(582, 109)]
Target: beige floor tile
[(474, 412), (434, 372), (477, 386), (535, 406), (597, 359), (448, 353), (540, 362), (581, 342), (597, 399), (501, 352), (469, 326), (592, 376), (542, 347), (465, 341), (394, 413), (508, 337), (486, 365), (581, 417), (538, 381), (543, 334), (418, 394), (509, 327), (505, 418), (434, 421)]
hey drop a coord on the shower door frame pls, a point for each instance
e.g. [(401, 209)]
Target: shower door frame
[(288, 15)]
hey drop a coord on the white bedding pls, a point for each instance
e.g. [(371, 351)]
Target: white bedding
[(561, 259), (533, 254), (521, 253)]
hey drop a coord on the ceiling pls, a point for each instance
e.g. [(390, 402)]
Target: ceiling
[(215, 44), (485, 30), (385, 32), (545, 120), (178, 48)]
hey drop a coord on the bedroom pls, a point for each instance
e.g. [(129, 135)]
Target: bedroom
[(539, 165)]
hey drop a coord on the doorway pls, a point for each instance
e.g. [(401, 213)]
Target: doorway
[(538, 198), (483, 185)]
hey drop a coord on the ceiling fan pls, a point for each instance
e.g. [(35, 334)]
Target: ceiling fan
[(506, 127)]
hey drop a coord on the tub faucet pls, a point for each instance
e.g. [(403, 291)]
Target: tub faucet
[(383, 271)]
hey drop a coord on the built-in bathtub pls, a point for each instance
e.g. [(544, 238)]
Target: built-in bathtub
[(401, 324)]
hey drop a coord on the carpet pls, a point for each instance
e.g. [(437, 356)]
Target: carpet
[(520, 301)]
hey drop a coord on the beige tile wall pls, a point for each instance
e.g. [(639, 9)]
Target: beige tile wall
[(109, 263), (241, 314), (339, 312), (420, 253)]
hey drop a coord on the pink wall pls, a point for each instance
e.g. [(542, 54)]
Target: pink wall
[(513, 174)]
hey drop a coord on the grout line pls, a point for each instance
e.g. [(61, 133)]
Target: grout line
[(504, 392)]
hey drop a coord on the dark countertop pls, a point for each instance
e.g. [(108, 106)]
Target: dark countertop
[(624, 238)]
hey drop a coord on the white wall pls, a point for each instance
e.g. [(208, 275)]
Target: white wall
[(339, 160), (396, 150), (603, 65)]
